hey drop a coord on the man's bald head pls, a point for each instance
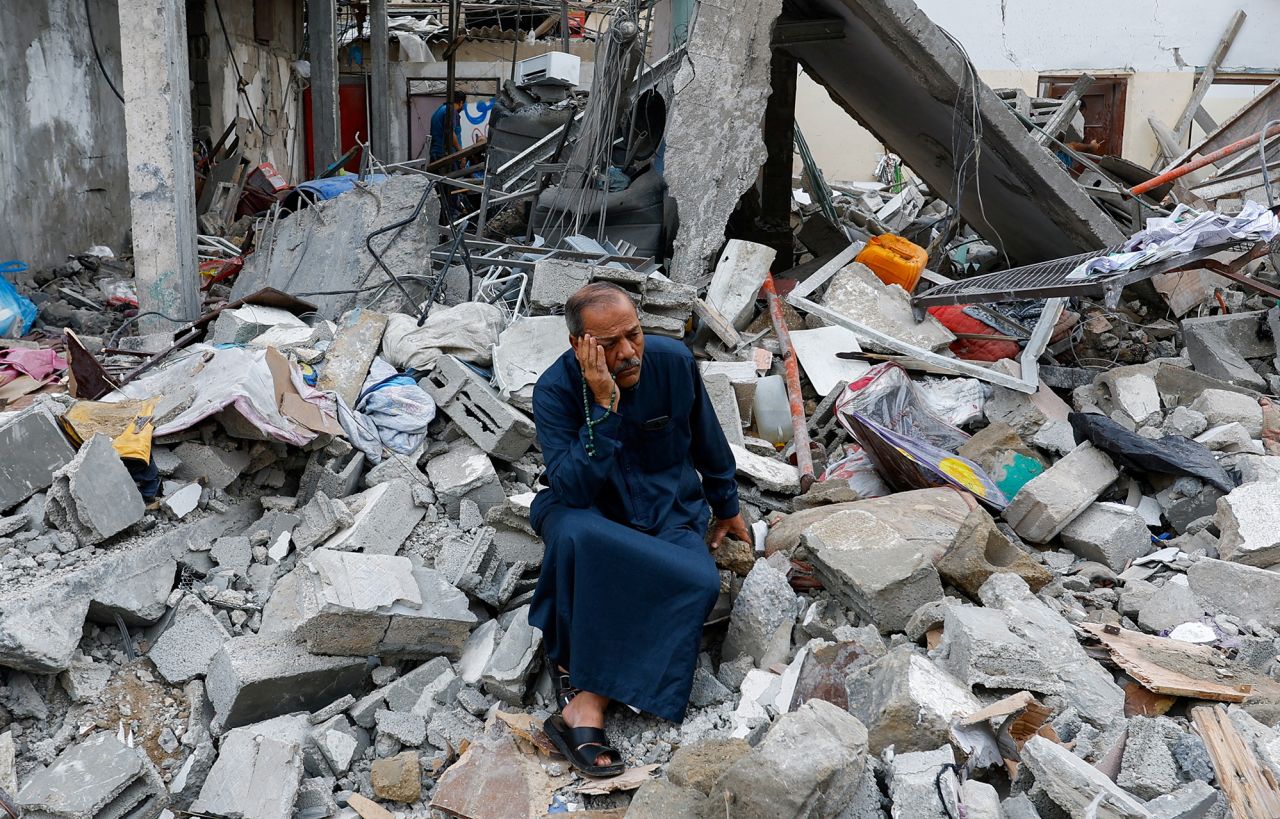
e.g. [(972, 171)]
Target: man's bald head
[(596, 294)]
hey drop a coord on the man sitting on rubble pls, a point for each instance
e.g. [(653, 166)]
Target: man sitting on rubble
[(627, 581)]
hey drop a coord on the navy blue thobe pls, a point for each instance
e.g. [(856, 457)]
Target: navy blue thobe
[(627, 580)]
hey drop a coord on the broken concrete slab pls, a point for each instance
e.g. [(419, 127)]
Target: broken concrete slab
[(243, 324), (1073, 784), (1147, 768), (496, 427), (907, 701), (1051, 500), (35, 449), (386, 515), (1231, 437), (405, 727), (764, 607), (808, 765), (916, 781), (133, 584), (214, 467), (351, 353), (1085, 684), (1242, 591), (979, 648), (1223, 407), (256, 677), (258, 771), (725, 402), (93, 496), (1133, 391), (769, 474), (187, 646), (321, 518), (477, 651), (981, 550), (525, 350), (352, 604), (1173, 605), (465, 471), (739, 275), (660, 799), (871, 567), (856, 292), (1249, 521), (1110, 533), (701, 764), (506, 675), (97, 777), (1211, 348), (428, 679)]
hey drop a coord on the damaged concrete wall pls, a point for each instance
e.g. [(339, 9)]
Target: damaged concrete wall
[(715, 146), (272, 90), (61, 132)]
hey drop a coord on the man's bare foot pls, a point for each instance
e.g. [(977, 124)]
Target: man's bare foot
[(586, 710)]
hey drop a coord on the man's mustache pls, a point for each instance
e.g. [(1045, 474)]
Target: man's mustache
[(626, 364)]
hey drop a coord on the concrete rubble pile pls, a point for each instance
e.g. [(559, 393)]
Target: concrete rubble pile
[(287, 572)]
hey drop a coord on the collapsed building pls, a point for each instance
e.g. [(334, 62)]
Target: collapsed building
[(1003, 427)]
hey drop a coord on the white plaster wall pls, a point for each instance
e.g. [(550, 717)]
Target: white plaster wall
[(1157, 44)]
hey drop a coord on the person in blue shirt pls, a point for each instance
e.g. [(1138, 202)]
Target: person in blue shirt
[(636, 463), (442, 142)]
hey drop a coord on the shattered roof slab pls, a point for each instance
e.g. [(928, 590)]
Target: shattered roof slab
[(900, 76)]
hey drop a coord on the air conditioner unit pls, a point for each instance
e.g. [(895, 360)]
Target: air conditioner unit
[(552, 68)]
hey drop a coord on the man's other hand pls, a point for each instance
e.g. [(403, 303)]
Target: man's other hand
[(735, 527)]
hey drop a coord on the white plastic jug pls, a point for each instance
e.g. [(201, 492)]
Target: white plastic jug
[(772, 410)]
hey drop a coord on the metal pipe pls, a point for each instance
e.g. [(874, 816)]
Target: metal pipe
[(1208, 159), (799, 425)]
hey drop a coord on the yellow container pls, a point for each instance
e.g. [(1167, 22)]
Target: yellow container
[(895, 260)]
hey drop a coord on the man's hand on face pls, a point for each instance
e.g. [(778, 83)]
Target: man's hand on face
[(595, 368), (734, 527)]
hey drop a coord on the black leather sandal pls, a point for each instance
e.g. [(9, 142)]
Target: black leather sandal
[(581, 746), (560, 679)]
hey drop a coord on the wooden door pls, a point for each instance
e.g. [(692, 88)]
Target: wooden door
[(1103, 110)]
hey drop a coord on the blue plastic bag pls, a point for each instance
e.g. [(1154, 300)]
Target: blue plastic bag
[(17, 312)]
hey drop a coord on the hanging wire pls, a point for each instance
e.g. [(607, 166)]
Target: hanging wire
[(241, 86), (94, 42)]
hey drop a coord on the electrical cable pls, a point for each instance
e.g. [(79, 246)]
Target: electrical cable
[(240, 83), (94, 42), (368, 241), (115, 337)]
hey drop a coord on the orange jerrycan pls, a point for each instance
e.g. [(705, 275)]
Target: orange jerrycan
[(895, 260)]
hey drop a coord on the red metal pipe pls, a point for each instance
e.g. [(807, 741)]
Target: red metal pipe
[(799, 425), (1196, 164)]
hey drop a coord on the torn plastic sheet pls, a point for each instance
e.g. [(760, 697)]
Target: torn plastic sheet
[(233, 384), (887, 395), (397, 407)]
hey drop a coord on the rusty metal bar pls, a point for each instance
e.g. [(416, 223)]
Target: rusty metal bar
[(799, 426)]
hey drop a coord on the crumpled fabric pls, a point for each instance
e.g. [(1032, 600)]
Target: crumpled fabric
[(1184, 230), (468, 331), (397, 406), (42, 365)]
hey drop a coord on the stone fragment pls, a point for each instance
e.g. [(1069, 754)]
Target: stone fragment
[(857, 293), (1147, 769), (404, 693), (1112, 534), (555, 280), (84, 679), (398, 779), (1242, 591), (525, 350), (1185, 421), (808, 765), (979, 648), (907, 701), (725, 402), (1218, 347), (1048, 502), (701, 764), (332, 710), (1249, 521), (385, 518), (477, 651), (258, 772), (35, 448), (22, 700), (493, 779), (1224, 407), (1229, 438), (321, 517), (1172, 605), (1133, 391), (981, 550), (184, 501), (770, 474), (872, 568), (506, 676), (465, 471), (338, 747), (451, 727), (765, 605), (365, 604), (232, 553), (914, 782), (499, 429), (190, 643), (256, 677), (662, 799), (1072, 784), (134, 584), (8, 763), (212, 466), (738, 276), (94, 497), (96, 777), (404, 727), (243, 324), (1258, 468), (474, 563), (1086, 685), (1191, 801)]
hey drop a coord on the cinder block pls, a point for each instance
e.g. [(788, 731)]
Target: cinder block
[(1051, 500), (498, 428)]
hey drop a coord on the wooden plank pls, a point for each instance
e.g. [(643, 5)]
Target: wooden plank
[(1183, 125), (1205, 120), (717, 324), (1248, 120), (1161, 665), (1250, 788), (1066, 111)]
